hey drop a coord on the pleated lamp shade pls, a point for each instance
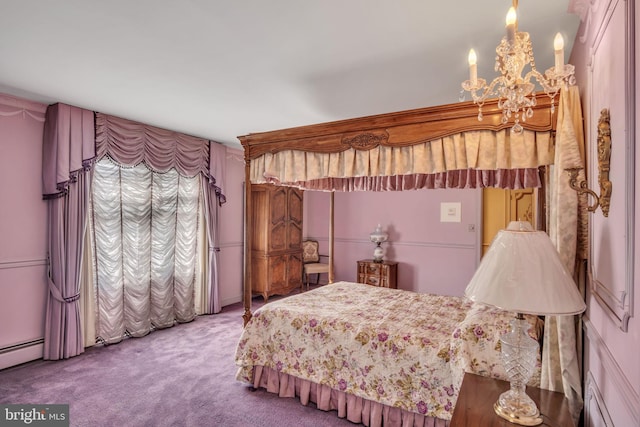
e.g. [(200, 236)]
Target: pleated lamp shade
[(522, 272)]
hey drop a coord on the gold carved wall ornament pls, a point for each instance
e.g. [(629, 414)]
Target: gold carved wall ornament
[(604, 165)]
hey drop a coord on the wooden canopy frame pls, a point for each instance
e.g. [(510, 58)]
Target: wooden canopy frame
[(399, 129)]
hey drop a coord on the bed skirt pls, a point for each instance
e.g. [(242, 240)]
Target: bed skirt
[(353, 408)]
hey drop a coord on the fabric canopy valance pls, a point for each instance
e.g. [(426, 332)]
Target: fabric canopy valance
[(436, 147), (465, 160)]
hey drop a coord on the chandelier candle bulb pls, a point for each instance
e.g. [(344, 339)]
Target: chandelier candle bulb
[(473, 68), (512, 21), (558, 47)]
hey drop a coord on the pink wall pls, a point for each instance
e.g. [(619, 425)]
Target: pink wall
[(23, 284), (611, 367), (231, 221), (434, 256)]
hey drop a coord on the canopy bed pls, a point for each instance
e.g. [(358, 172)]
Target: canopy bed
[(437, 147)]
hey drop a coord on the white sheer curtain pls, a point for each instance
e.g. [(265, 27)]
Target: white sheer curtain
[(146, 237)]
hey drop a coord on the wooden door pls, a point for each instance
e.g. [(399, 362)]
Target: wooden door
[(500, 207)]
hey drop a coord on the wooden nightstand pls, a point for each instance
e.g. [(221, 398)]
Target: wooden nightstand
[(474, 406), (383, 274)]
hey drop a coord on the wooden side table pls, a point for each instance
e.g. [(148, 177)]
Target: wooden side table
[(474, 407), (383, 274)]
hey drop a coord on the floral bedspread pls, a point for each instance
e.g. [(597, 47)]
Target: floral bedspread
[(399, 348)]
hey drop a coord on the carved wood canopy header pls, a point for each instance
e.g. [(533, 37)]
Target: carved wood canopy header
[(398, 129)]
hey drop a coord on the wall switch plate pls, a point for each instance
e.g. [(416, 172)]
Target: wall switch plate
[(450, 212)]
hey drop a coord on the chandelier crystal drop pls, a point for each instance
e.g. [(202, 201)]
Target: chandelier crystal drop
[(515, 92)]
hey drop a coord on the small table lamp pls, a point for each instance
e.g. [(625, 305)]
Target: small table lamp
[(378, 237), (522, 272)]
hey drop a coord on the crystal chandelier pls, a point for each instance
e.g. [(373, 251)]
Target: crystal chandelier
[(516, 94)]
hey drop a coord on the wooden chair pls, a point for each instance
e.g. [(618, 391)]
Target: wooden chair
[(311, 261)]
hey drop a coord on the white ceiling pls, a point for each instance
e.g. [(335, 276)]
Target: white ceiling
[(219, 69)]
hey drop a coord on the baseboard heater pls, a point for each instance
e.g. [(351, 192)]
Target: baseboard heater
[(21, 345), (18, 354)]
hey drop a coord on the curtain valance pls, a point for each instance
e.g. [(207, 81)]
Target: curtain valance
[(465, 160), (130, 143), (10, 106), (68, 147)]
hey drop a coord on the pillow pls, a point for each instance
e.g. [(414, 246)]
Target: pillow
[(475, 343)]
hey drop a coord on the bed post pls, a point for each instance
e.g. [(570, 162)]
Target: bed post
[(248, 208), (331, 231)]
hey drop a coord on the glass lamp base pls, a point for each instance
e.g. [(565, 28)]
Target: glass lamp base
[(514, 417), (519, 352)]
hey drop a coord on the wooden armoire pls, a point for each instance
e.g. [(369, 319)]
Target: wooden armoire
[(276, 241)]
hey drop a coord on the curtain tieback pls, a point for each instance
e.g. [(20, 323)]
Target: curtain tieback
[(73, 298), (55, 292)]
